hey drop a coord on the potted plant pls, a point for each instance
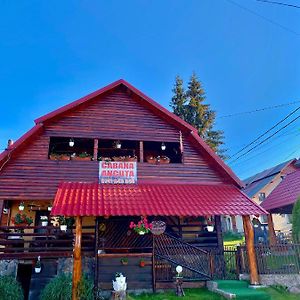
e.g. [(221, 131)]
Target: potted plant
[(38, 266), (103, 158), (82, 156), (163, 159), (124, 261), (62, 223), (44, 220), (21, 219), (209, 225), (142, 227), (151, 159), (130, 158), (65, 223), (142, 263)]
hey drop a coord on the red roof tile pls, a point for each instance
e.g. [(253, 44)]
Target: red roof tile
[(92, 199), (286, 193)]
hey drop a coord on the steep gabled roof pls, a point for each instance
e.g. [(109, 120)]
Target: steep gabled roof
[(286, 193), (258, 181), (146, 101)]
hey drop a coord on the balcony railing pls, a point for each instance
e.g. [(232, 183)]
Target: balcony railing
[(46, 241)]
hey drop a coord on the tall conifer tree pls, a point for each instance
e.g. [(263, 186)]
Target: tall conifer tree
[(191, 107)]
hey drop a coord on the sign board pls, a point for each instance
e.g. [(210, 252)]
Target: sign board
[(117, 172)]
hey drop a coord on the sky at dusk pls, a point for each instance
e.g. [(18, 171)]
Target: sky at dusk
[(245, 52)]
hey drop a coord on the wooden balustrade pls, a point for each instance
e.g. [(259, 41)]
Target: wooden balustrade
[(46, 241)]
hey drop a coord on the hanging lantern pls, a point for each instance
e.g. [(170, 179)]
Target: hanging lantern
[(21, 206), (71, 143), (163, 146)]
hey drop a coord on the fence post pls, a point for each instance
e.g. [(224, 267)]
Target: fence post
[(249, 237), (272, 235)]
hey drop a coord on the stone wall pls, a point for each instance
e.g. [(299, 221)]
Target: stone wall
[(65, 265), (8, 267), (287, 280)]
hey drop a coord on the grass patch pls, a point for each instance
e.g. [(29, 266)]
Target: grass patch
[(190, 294), (280, 293)]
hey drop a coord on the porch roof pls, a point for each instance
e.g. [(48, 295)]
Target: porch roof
[(93, 199)]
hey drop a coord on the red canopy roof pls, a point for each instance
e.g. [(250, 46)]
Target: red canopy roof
[(286, 193), (92, 199)]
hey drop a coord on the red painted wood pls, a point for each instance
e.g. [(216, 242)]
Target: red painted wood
[(30, 175)]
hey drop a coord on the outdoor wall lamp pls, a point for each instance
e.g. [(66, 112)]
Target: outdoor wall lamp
[(163, 146)]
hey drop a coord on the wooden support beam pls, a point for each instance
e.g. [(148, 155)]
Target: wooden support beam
[(77, 257), (249, 238), (95, 156), (218, 229), (233, 221), (272, 235), (96, 275), (1, 209), (141, 151)]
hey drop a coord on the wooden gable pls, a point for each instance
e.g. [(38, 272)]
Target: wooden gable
[(116, 114)]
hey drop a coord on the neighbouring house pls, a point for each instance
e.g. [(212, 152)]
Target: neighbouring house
[(105, 162), (281, 200), (258, 187)]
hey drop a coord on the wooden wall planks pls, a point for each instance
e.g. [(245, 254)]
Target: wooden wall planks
[(30, 175)]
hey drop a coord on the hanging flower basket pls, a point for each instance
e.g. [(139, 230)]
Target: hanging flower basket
[(158, 227), (142, 227)]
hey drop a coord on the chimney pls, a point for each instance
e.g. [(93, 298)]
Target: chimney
[(9, 143)]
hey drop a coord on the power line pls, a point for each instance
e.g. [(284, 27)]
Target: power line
[(258, 110), (279, 3), (263, 17), (266, 132), (266, 139)]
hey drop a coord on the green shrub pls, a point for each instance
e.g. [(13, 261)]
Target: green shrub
[(10, 289), (296, 221), (60, 288), (232, 236)]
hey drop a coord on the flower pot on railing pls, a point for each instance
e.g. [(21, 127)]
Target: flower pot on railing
[(163, 160), (142, 263), (151, 160), (44, 223), (37, 269), (210, 228), (63, 227)]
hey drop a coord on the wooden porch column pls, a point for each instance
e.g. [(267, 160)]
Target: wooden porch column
[(218, 225), (233, 222), (272, 235), (77, 257), (249, 238), (1, 209)]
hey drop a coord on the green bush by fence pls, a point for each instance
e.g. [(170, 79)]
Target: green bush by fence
[(60, 288), (10, 289)]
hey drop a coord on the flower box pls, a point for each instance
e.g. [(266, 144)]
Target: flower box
[(63, 227), (86, 158), (151, 160), (163, 160)]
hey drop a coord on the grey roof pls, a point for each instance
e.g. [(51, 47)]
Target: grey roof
[(256, 182)]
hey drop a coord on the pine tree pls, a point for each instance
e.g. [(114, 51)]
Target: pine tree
[(296, 222), (178, 100), (191, 107)]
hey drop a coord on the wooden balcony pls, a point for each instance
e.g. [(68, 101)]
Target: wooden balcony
[(26, 242)]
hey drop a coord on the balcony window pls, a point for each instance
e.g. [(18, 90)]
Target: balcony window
[(118, 150), (162, 152), (67, 148)]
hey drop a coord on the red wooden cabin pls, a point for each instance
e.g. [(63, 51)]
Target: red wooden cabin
[(180, 181)]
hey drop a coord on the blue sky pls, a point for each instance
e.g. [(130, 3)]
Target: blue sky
[(53, 52)]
